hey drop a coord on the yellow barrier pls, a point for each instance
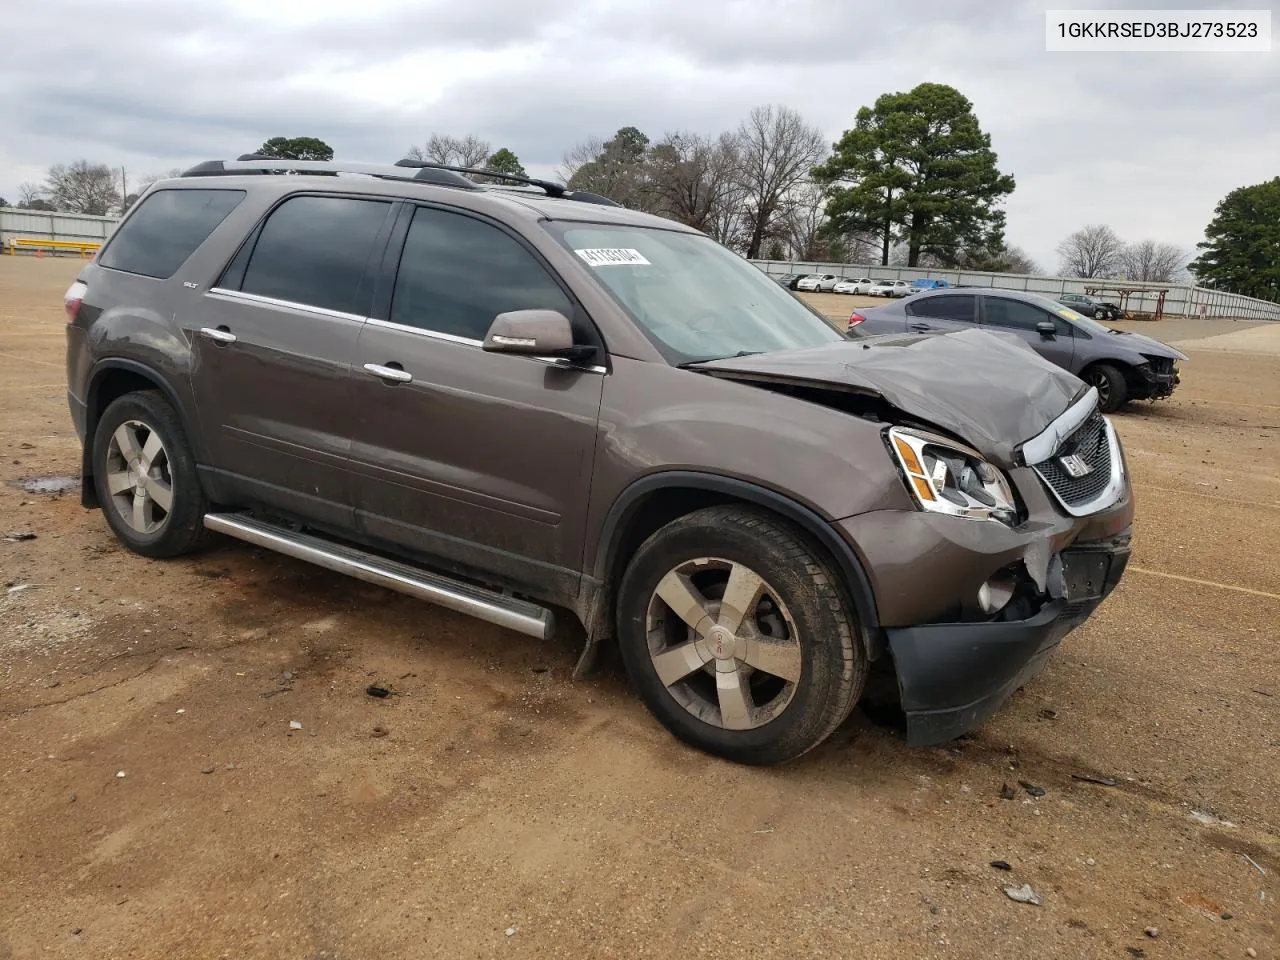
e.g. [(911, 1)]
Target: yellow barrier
[(84, 247)]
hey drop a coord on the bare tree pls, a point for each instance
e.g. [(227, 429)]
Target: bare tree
[(29, 193), (1019, 261), (468, 151), (691, 177), (804, 218), (1092, 251), (1152, 261), (776, 150), (578, 156), (82, 187)]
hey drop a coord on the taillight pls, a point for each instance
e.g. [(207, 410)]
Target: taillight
[(855, 318), (72, 299)]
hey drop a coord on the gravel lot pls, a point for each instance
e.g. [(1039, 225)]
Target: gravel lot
[(154, 801)]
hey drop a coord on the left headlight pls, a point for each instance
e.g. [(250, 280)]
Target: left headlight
[(947, 478)]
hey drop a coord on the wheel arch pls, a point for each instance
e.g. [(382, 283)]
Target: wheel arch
[(655, 500), (109, 380)]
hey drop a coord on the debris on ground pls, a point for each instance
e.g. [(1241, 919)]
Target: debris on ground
[(1048, 714), (120, 774), (1151, 932), (19, 536), (1262, 692), (377, 691), (295, 725), (285, 679), (1007, 792), (1254, 863), (1022, 894), (1001, 864), (1250, 952), (511, 931), (380, 731), (208, 769), (1209, 820), (19, 587), (1090, 778), (1135, 952), (1032, 789)]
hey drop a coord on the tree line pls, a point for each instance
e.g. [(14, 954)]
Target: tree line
[(913, 182)]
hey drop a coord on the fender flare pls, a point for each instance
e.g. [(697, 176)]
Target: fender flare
[(851, 568), (88, 496)]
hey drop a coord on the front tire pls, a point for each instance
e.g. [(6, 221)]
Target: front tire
[(1113, 391), (145, 476), (738, 636)]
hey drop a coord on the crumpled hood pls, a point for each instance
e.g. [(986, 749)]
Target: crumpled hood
[(990, 389)]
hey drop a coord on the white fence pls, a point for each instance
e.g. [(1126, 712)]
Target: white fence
[(1180, 300), (43, 225)]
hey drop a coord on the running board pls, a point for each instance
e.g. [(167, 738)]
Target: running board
[(517, 615)]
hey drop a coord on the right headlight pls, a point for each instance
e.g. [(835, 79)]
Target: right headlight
[(945, 477)]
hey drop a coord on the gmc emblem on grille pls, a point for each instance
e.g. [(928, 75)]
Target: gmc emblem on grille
[(1075, 465)]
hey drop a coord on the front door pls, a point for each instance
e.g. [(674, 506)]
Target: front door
[(480, 460), (1020, 317), (273, 344)]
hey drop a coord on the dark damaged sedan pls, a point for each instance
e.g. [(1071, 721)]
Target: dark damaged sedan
[(523, 404), (1122, 366)]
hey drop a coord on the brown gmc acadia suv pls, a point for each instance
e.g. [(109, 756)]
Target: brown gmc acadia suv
[(508, 399)]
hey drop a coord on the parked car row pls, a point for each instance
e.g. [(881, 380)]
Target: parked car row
[(864, 286)]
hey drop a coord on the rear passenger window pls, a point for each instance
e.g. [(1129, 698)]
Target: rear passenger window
[(457, 273), (313, 251), (166, 229), (959, 308)]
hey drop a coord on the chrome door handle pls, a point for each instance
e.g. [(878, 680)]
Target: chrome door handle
[(218, 335), (388, 373)]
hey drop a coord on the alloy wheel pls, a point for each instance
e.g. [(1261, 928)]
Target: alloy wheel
[(138, 477), (723, 643), (1099, 380)]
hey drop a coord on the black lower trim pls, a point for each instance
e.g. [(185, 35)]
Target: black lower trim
[(953, 676)]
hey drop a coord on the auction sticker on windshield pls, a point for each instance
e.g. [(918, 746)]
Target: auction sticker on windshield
[(612, 257)]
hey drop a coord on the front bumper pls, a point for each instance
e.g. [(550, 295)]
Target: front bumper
[(1155, 386), (953, 676)]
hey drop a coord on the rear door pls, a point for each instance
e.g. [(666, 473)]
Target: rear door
[(941, 313), (480, 460), (1021, 318), (273, 344)]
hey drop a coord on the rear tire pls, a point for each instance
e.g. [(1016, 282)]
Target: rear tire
[(758, 685), (145, 476), (1113, 391)]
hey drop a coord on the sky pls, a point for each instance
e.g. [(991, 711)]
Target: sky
[(1145, 142)]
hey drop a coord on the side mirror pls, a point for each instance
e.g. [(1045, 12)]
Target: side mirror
[(1046, 328), (534, 333)]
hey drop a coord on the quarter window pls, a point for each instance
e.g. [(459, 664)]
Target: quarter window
[(166, 229), (314, 251), (457, 273)]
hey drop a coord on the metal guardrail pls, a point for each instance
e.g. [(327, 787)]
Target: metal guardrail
[(39, 245)]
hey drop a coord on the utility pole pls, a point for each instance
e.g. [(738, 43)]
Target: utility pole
[(124, 190)]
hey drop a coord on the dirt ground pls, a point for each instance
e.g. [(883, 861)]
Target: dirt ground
[(154, 802)]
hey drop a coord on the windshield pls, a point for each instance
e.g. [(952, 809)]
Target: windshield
[(693, 298)]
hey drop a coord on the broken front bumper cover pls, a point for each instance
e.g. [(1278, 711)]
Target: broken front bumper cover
[(953, 676)]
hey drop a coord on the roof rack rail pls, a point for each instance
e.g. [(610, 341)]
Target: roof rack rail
[(255, 163), (423, 172), (552, 189)]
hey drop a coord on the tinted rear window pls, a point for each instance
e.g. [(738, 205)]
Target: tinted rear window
[(166, 229), (313, 250)]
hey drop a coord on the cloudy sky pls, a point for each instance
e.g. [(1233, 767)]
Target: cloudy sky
[(1145, 142)]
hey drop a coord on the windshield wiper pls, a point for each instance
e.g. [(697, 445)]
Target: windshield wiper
[(732, 356)]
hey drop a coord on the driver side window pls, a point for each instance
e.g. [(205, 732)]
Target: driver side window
[(457, 273), (1019, 315)]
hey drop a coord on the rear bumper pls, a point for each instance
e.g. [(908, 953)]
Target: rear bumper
[(953, 676)]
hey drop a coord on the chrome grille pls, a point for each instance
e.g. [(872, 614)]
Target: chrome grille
[(1089, 444)]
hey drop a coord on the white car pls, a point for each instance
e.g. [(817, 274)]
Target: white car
[(812, 282), (890, 288), (860, 285)]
